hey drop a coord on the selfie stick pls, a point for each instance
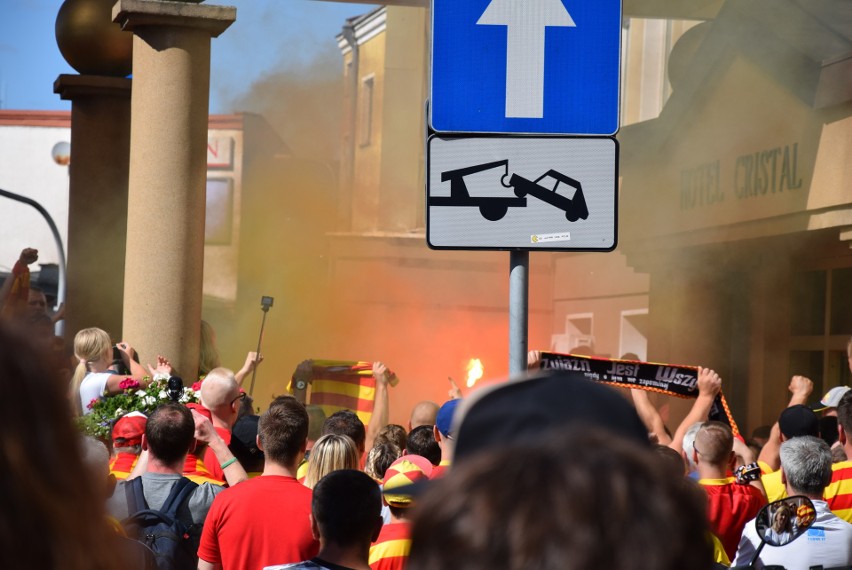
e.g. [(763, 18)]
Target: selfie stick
[(265, 304)]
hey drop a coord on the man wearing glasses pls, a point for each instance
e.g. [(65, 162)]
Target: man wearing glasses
[(221, 394)]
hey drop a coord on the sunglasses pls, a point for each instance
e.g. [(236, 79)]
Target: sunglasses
[(242, 396)]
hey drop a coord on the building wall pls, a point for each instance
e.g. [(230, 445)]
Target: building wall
[(369, 135), (27, 168)]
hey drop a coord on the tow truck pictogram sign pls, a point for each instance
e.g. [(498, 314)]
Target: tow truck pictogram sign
[(493, 208), (522, 193)]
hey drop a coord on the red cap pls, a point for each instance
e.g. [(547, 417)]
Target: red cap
[(201, 410), (128, 430)]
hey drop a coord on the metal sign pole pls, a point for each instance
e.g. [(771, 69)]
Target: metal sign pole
[(519, 280)]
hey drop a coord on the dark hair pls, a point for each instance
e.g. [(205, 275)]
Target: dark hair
[(581, 499), (393, 433), (170, 432), (421, 441), (346, 422), (51, 512), (671, 460), (283, 430), (347, 506), (844, 411)]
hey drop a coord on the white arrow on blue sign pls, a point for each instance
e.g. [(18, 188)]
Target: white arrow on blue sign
[(525, 66)]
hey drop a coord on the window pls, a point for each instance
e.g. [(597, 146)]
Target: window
[(578, 332), (365, 113), (633, 337), (820, 325), (219, 212)]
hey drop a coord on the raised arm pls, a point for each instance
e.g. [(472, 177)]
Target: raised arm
[(745, 456), (381, 406), (301, 379), (253, 360), (650, 416), (800, 389), (27, 257), (709, 385), (137, 371), (204, 432)]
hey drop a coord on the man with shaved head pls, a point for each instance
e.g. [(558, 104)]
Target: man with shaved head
[(423, 414), (220, 393)]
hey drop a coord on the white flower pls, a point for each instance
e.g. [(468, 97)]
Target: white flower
[(184, 398), (119, 412), (163, 394), (141, 393), (150, 400)]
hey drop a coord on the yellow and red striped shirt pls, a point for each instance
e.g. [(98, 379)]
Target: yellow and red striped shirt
[(838, 494), (390, 551), (122, 464), (195, 470)]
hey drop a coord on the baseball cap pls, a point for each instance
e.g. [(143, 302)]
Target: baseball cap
[(397, 484), (523, 410), (832, 398), (444, 419), (798, 420), (128, 430), (244, 440)]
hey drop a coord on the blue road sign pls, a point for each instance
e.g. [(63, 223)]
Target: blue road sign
[(525, 66)]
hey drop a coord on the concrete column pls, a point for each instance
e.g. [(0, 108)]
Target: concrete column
[(97, 209), (168, 170)]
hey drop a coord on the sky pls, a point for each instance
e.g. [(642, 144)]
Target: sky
[(268, 36)]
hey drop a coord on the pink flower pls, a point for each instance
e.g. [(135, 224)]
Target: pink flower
[(92, 403), (128, 384)]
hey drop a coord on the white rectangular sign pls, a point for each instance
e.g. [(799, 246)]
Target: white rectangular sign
[(533, 193)]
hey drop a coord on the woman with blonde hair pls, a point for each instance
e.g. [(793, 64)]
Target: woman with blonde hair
[(93, 378), (330, 453), (208, 357)]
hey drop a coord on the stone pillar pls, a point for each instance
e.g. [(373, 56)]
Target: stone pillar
[(97, 209), (168, 169)]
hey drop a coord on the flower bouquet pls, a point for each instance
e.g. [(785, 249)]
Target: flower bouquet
[(133, 398)]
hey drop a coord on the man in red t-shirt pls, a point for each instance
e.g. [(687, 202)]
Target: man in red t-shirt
[(265, 520), (730, 505)]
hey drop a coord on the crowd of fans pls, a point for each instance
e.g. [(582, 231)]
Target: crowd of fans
[(548, 471)]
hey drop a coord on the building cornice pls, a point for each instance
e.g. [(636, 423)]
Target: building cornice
[(366, 27), (17, 118)]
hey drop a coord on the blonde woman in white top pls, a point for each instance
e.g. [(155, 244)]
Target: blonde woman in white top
[(93, 379)]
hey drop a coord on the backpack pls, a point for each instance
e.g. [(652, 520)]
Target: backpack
[(160, 530)]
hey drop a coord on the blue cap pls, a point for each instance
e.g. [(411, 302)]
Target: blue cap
[(444, 419)]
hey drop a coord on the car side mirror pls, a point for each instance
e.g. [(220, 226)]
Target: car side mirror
[(784, 521), (780, 523)]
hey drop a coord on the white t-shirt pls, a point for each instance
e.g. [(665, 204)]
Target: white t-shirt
[(92, 388), (827, 543)]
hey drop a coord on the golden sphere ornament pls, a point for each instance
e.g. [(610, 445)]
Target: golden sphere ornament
[(90, 41)]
